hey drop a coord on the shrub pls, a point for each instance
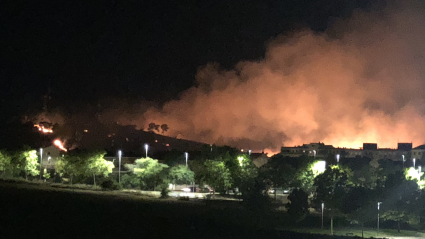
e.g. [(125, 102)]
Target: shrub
[(164, 192), (130, 181), (46, 174), (117, 186), (57, 178), (184, 198), (256, 198), (298, 205), (110, 185)]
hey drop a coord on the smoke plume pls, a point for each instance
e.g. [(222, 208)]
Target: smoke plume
[(360, 81)]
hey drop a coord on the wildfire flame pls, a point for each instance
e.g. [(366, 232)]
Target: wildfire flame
[(43, 129), (59, 144)]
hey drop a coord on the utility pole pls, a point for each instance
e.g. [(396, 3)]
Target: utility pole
[(377, 233), (323, 207), (119, 166), (41, 161)]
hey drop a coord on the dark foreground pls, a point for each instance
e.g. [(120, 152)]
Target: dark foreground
[(33, 212)]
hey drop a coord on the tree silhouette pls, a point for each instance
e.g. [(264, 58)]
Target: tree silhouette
[(152, 126), (164, 128), (298, 205)]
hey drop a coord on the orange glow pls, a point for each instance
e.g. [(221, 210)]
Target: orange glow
[(59, 144), (43, 129), (364, 86), (270, 152)]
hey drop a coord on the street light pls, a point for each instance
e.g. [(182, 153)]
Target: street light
[(41, 160), (240, 158), (314, 153), (379, 203), (403, 160), (119, 166), (414, 162), (318, 167), (249, 152), (337, 158), (146, 149), (186, 155), (323, 207)]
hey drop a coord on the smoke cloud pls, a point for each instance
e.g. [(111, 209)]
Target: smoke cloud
[(361, 81)]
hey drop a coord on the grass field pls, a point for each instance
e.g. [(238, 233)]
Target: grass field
[(42, 211), (367, 232)]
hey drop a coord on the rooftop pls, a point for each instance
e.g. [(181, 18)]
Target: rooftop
[(420, 147)]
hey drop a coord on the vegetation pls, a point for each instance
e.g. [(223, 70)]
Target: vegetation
[(217, 176), (96, 165), (20, 162), (181, 174), (298, 205), (147, 173), (88, 164), (349, 191)]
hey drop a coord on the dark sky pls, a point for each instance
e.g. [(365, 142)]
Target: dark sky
[(85, 51)]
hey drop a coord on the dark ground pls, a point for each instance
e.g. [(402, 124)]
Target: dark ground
[(33, 211)]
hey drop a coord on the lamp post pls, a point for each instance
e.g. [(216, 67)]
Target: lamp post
[(41, 160), (379, 203), (323, 207), (403, 160), (146, 149), (119, 166), (414, 162), (240, 158), (337, 158), (314, 153), (186, 155)]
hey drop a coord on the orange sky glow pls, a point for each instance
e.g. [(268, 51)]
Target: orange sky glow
[(362, 81)]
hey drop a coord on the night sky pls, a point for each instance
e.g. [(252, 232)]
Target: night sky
[(81, 52)]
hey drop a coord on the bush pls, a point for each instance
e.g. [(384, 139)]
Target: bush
[(256, 198), (184, 198), (110, 185), (46, 174), (130, 181), (298, 205), (57, 178), (117, 185), (164, 192)]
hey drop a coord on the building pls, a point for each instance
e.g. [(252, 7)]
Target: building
[(259, 159), (49, 156), (418, 152), (404, 151), (319, 150)]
